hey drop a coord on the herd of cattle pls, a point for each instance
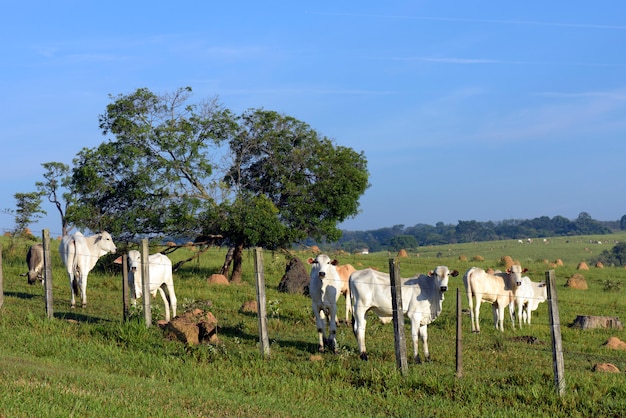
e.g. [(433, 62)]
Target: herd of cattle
[(422, 298), (364, 290)]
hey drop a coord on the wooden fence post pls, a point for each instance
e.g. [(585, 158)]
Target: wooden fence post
[(145, 275), (47, 267), (459, 335), (398, 315), (555, 326), (261, 302), (125, 289)]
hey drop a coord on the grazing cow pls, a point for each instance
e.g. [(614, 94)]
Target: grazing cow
[(344, 272), (528, 296), (80, 254), (160, 275), (325, 287), (422, 298), (497, 288), (34, 260)]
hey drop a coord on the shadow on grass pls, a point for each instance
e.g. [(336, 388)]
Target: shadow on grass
[(21, 295), (80, 317), (236, 332)]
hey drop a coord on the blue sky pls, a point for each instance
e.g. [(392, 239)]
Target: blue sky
[(481, 110)]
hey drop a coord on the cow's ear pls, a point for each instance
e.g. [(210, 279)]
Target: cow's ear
[(310, 260), (524, 271), (334, 262), (454, 273), (508, 271), (431, 273)]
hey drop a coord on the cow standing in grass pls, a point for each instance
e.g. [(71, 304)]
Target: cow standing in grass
[(496, 288), (422, 298), (325, 287), (80, 254), (160, 275)]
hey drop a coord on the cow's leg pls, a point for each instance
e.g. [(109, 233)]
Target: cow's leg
[(320, 322), (173, 300), (359, 330), (165, 303), (476, 323), (415, 334), (348, 306), (83, 290), (496, 318), (423, 334), (332, 329), (73, 289)]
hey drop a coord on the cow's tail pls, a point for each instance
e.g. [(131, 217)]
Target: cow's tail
[(352, 299), (75, 271)]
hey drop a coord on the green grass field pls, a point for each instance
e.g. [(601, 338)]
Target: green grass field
[(88, 362)]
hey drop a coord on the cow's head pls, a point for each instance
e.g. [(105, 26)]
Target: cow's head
[(33, 276), (105, 242), (515, 273), (441, 274), (323, 267), (134, 268)]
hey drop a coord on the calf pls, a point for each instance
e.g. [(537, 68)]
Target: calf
[(160, 274), (528, 296), (34, 260), (422, 298), (325, 287), (496, 288)]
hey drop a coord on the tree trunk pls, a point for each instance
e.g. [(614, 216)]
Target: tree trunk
[(237, 264), (229, 259)]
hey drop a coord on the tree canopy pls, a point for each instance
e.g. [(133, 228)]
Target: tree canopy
[(180, 169)]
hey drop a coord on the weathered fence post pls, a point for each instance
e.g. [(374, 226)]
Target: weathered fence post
[(398, 315), (555, 327), (145, 275), (47, 268), (1, 280), (459, 335), (125, 290), (261, 302)]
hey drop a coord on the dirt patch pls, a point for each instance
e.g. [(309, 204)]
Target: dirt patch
[(615, 343), (217, 279), (528, 339), (605, 367)]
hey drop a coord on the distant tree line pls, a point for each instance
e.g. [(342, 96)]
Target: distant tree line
[(398, 236)]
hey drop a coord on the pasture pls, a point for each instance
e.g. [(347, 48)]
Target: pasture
[(88, 362)]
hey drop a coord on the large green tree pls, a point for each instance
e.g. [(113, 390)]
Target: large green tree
[(174, 168), (289, 181)]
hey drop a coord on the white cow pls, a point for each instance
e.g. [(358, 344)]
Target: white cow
[(345, 271), (528, 296), (80, 254), (325, 287), (422, 298), (34, 260), (498, 289), (160, 272)]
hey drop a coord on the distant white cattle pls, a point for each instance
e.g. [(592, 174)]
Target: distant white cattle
[(498, 289), (422, 298), (80, 254), (345, 271), (528, 296), (325, 287), (160, 272), (34, 260)]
